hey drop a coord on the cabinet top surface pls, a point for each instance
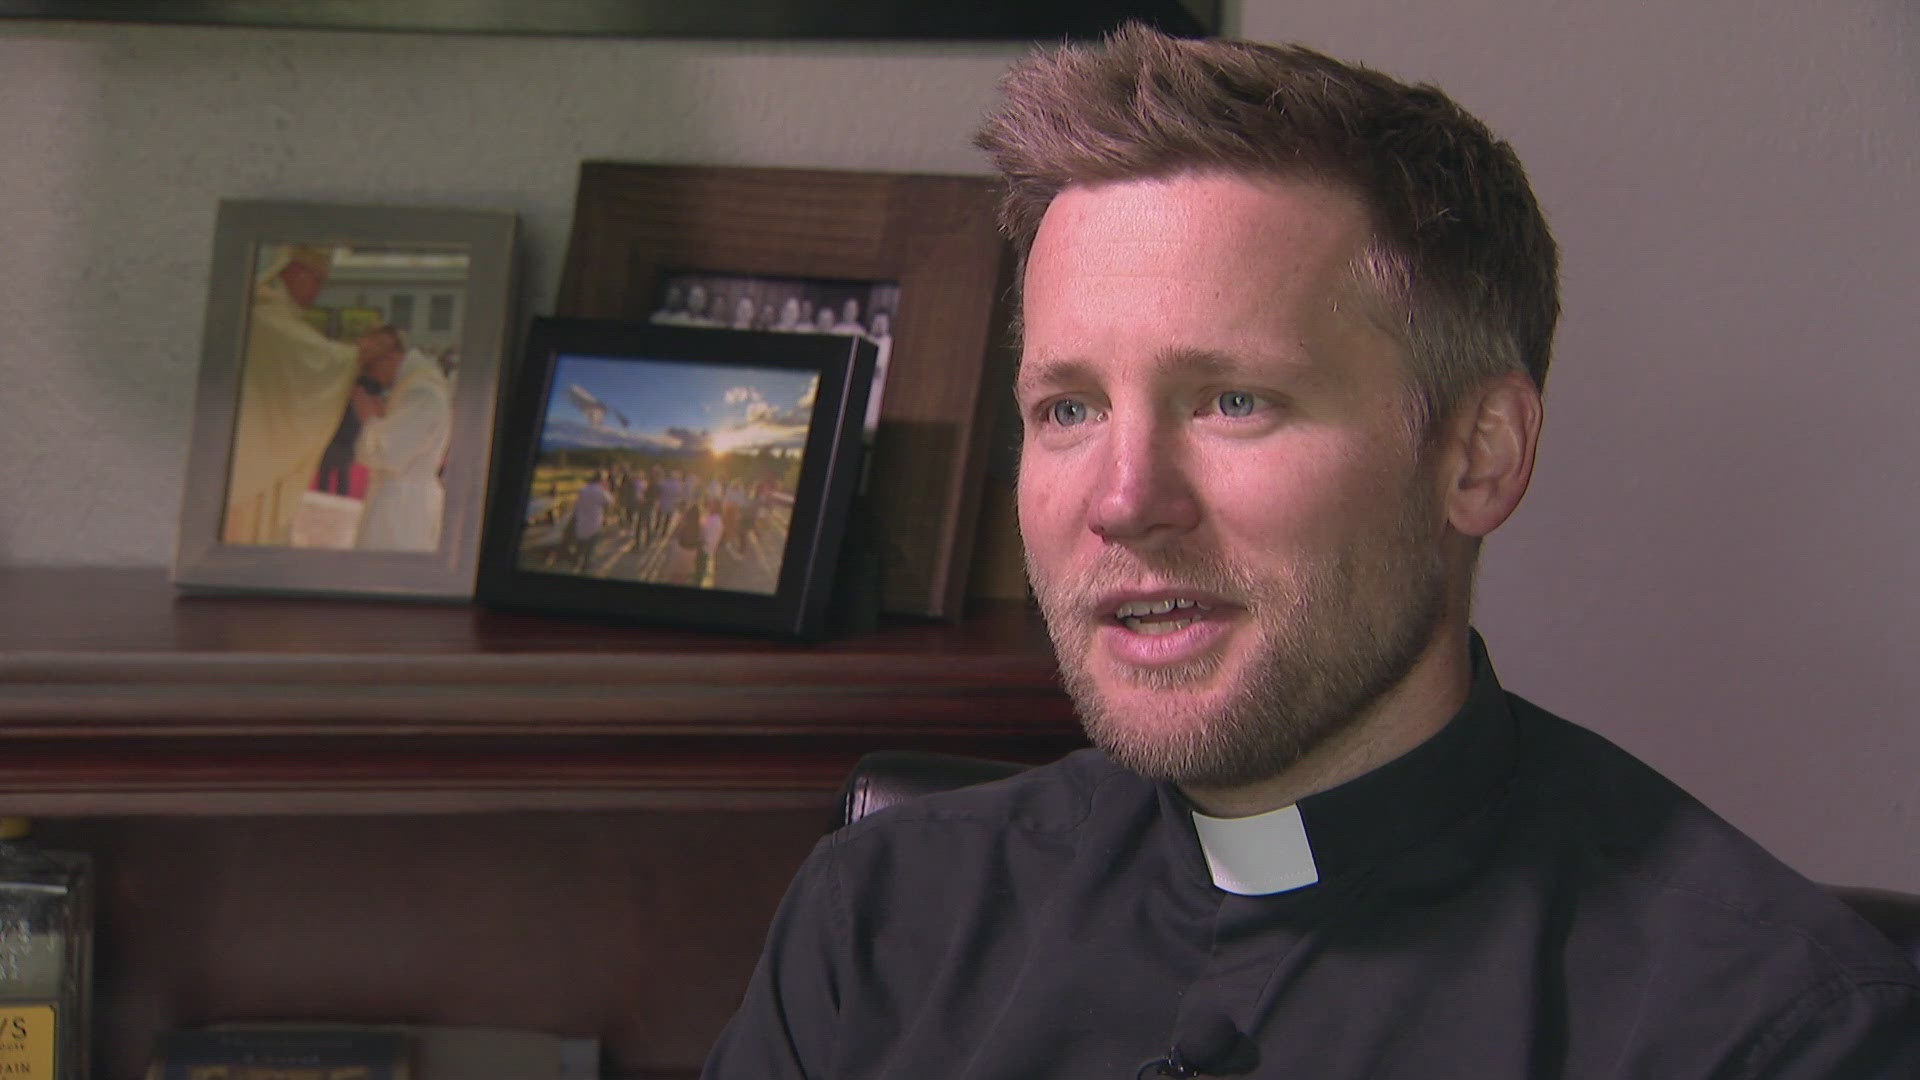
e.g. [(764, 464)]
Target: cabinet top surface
[(117, 695), (93, 649), (87, 610)]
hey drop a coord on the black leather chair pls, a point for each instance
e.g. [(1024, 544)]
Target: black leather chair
[(886, 777)]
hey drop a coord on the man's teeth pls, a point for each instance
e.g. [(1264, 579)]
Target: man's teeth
[(1134, 609), (1142, 616), (1157, 627)]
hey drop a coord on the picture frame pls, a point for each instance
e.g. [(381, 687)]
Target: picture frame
[(788, 306), (677, 475), (387, 423), (934, 237)]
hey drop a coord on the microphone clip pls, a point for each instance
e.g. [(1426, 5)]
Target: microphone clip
[(1215, 1048)]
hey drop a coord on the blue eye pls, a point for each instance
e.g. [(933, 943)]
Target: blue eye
[(1067, 412), (1237, 403)]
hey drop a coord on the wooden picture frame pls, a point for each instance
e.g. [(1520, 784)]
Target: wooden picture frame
[(670, 474), (933, 236), (276, 401)]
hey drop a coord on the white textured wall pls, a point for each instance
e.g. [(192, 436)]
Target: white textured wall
[(116, 143), (1716, 566)]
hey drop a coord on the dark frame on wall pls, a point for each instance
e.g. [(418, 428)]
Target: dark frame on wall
[(981, 20)]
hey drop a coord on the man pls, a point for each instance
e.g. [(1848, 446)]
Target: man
[(1285, 323), (789, 319), (403, 443), (744, 311), (590, 506), (696, 312), (849, 322), (293, 389), (335, 476), (646, 485), (673, 309), (673, 486)]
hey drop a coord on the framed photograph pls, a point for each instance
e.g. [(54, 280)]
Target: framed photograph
[(343, 424), (675, 474), (920, 252), (788, 306)]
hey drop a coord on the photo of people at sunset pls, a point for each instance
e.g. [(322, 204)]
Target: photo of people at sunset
[(667, 472)]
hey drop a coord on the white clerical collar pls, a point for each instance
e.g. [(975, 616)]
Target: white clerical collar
[(1258, 855)]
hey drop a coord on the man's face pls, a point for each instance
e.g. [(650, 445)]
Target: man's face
[(1227, 522), (380, 356), (304, 282)]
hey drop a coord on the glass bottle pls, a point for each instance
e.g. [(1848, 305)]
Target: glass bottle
[(46, 938)]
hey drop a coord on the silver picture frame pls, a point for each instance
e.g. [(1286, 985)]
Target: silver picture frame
[(442, 279)]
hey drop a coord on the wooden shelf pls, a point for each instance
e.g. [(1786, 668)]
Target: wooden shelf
[(389, 811), (117, 695)]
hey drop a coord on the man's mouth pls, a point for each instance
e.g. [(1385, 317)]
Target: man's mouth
[(1163, 616)]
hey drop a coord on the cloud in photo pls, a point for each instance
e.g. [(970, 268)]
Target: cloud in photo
[(761, 424)]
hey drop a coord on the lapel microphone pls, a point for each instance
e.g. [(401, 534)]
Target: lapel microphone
[(1212, 1046)]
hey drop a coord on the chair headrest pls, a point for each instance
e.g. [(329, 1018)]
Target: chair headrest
[(886, 777)]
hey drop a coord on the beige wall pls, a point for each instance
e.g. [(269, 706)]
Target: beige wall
[(1715, 567)]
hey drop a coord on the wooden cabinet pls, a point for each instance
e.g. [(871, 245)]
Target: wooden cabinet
[(435, 813)]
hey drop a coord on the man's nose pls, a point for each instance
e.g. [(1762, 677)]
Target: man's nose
[(1144, 494)]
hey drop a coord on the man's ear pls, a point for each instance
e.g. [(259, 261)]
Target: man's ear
[(1488, 453)]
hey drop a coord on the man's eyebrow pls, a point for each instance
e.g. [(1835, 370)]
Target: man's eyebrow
[(1174, 361), (1202, 362), (1217, 363), (1052, 371)]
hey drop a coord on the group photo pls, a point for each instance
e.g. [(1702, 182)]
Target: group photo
[(667, 473), (787, 306)]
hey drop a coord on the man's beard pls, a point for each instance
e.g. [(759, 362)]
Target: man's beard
[(1328, 644)]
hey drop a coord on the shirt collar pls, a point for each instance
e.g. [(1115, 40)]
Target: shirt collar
[(1258, 855), (1387, 814)]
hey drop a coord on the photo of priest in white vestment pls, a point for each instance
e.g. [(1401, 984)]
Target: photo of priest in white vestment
[(294, 384), (403, 443)]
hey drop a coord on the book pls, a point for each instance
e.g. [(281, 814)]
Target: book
[(277, 1053), (484, 1053), (346, 1051)]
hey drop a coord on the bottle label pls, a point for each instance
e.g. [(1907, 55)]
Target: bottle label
[(26, 1042)]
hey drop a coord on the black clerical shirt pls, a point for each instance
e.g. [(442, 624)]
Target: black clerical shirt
[(1515, 899)]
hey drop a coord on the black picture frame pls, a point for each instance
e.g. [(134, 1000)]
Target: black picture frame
[(766, 576), (636, 225)]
